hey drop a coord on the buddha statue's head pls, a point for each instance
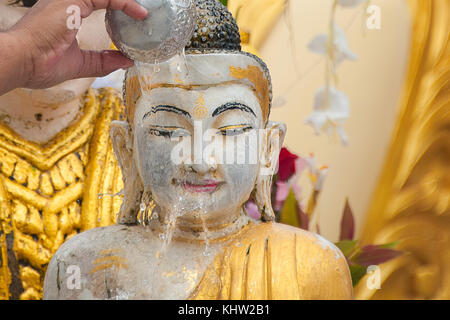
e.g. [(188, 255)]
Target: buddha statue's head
[(197, 138), (91, 36)]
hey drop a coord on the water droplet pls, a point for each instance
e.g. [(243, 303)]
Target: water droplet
[(102, 195), (184, 60), (205, 253), (205, 230), (238, 244), (156, 66)]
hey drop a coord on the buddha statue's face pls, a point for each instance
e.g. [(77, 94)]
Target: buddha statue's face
[(197, 137), (209, 124), (91, 36)]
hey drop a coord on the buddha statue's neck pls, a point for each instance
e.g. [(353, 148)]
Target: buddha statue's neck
[(37, 121), (199, 230)]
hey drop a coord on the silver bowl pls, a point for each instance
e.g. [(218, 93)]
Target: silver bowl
[(164, 33)]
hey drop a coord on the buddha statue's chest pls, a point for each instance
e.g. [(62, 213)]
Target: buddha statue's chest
[(147, 271)]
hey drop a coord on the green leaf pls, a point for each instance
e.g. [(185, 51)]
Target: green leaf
[(391, 245), (357, 272), (289, 212), (347, 246), (224, 2)]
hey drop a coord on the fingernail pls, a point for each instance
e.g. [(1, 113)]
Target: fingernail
[(144, 12)]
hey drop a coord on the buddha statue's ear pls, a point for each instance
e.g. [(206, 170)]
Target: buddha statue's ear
[(122, 141), (271, 143)]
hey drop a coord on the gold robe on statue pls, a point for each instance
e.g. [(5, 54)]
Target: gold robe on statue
[(50, 192), (273, 261)]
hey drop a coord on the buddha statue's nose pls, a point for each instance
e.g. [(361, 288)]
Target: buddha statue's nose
[(205, 166)]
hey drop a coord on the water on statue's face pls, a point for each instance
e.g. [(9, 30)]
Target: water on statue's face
[(197, 147)]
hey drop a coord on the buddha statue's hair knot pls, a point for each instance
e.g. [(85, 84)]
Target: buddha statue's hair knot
[(215, 29)]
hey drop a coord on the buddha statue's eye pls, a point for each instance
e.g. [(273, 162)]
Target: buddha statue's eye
[(24, 3), (168, 132), (235, 130)]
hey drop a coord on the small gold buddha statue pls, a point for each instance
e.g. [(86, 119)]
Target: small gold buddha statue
[(182, 231), (55, 159)]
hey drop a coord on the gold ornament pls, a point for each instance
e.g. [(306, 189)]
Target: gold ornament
[(256, 19), (51, 192), (412, 202)]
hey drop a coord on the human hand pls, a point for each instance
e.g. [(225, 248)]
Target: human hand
[(48, 49)]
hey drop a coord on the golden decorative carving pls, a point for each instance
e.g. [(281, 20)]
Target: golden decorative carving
[(411, 203), (256, 18), (50, 192)]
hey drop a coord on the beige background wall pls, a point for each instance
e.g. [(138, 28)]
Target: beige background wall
[(373, 85)]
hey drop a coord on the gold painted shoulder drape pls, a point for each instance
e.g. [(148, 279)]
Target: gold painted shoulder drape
[(272, 261), (48, 193), (411, 203)]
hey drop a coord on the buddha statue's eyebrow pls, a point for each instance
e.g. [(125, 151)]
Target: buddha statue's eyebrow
[(167, 108), (232, 106)]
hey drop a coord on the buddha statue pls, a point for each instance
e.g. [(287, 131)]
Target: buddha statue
[(182, 231), (55, 159)]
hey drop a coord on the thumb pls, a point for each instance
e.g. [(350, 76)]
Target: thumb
[(102, 63)]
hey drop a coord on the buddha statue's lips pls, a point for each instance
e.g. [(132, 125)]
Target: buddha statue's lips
[(200, 186)]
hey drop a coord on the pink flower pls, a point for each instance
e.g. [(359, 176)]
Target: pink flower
[(290, 169), (252, 210), (283, 189)]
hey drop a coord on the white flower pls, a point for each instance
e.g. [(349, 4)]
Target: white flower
[(316, 175), (321, 175), (341, 49), (350, 3), (331, 109)]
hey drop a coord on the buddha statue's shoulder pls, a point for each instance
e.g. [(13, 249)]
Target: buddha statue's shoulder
[(81, 261), (285, 234), (95, 240), (295, 263)]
